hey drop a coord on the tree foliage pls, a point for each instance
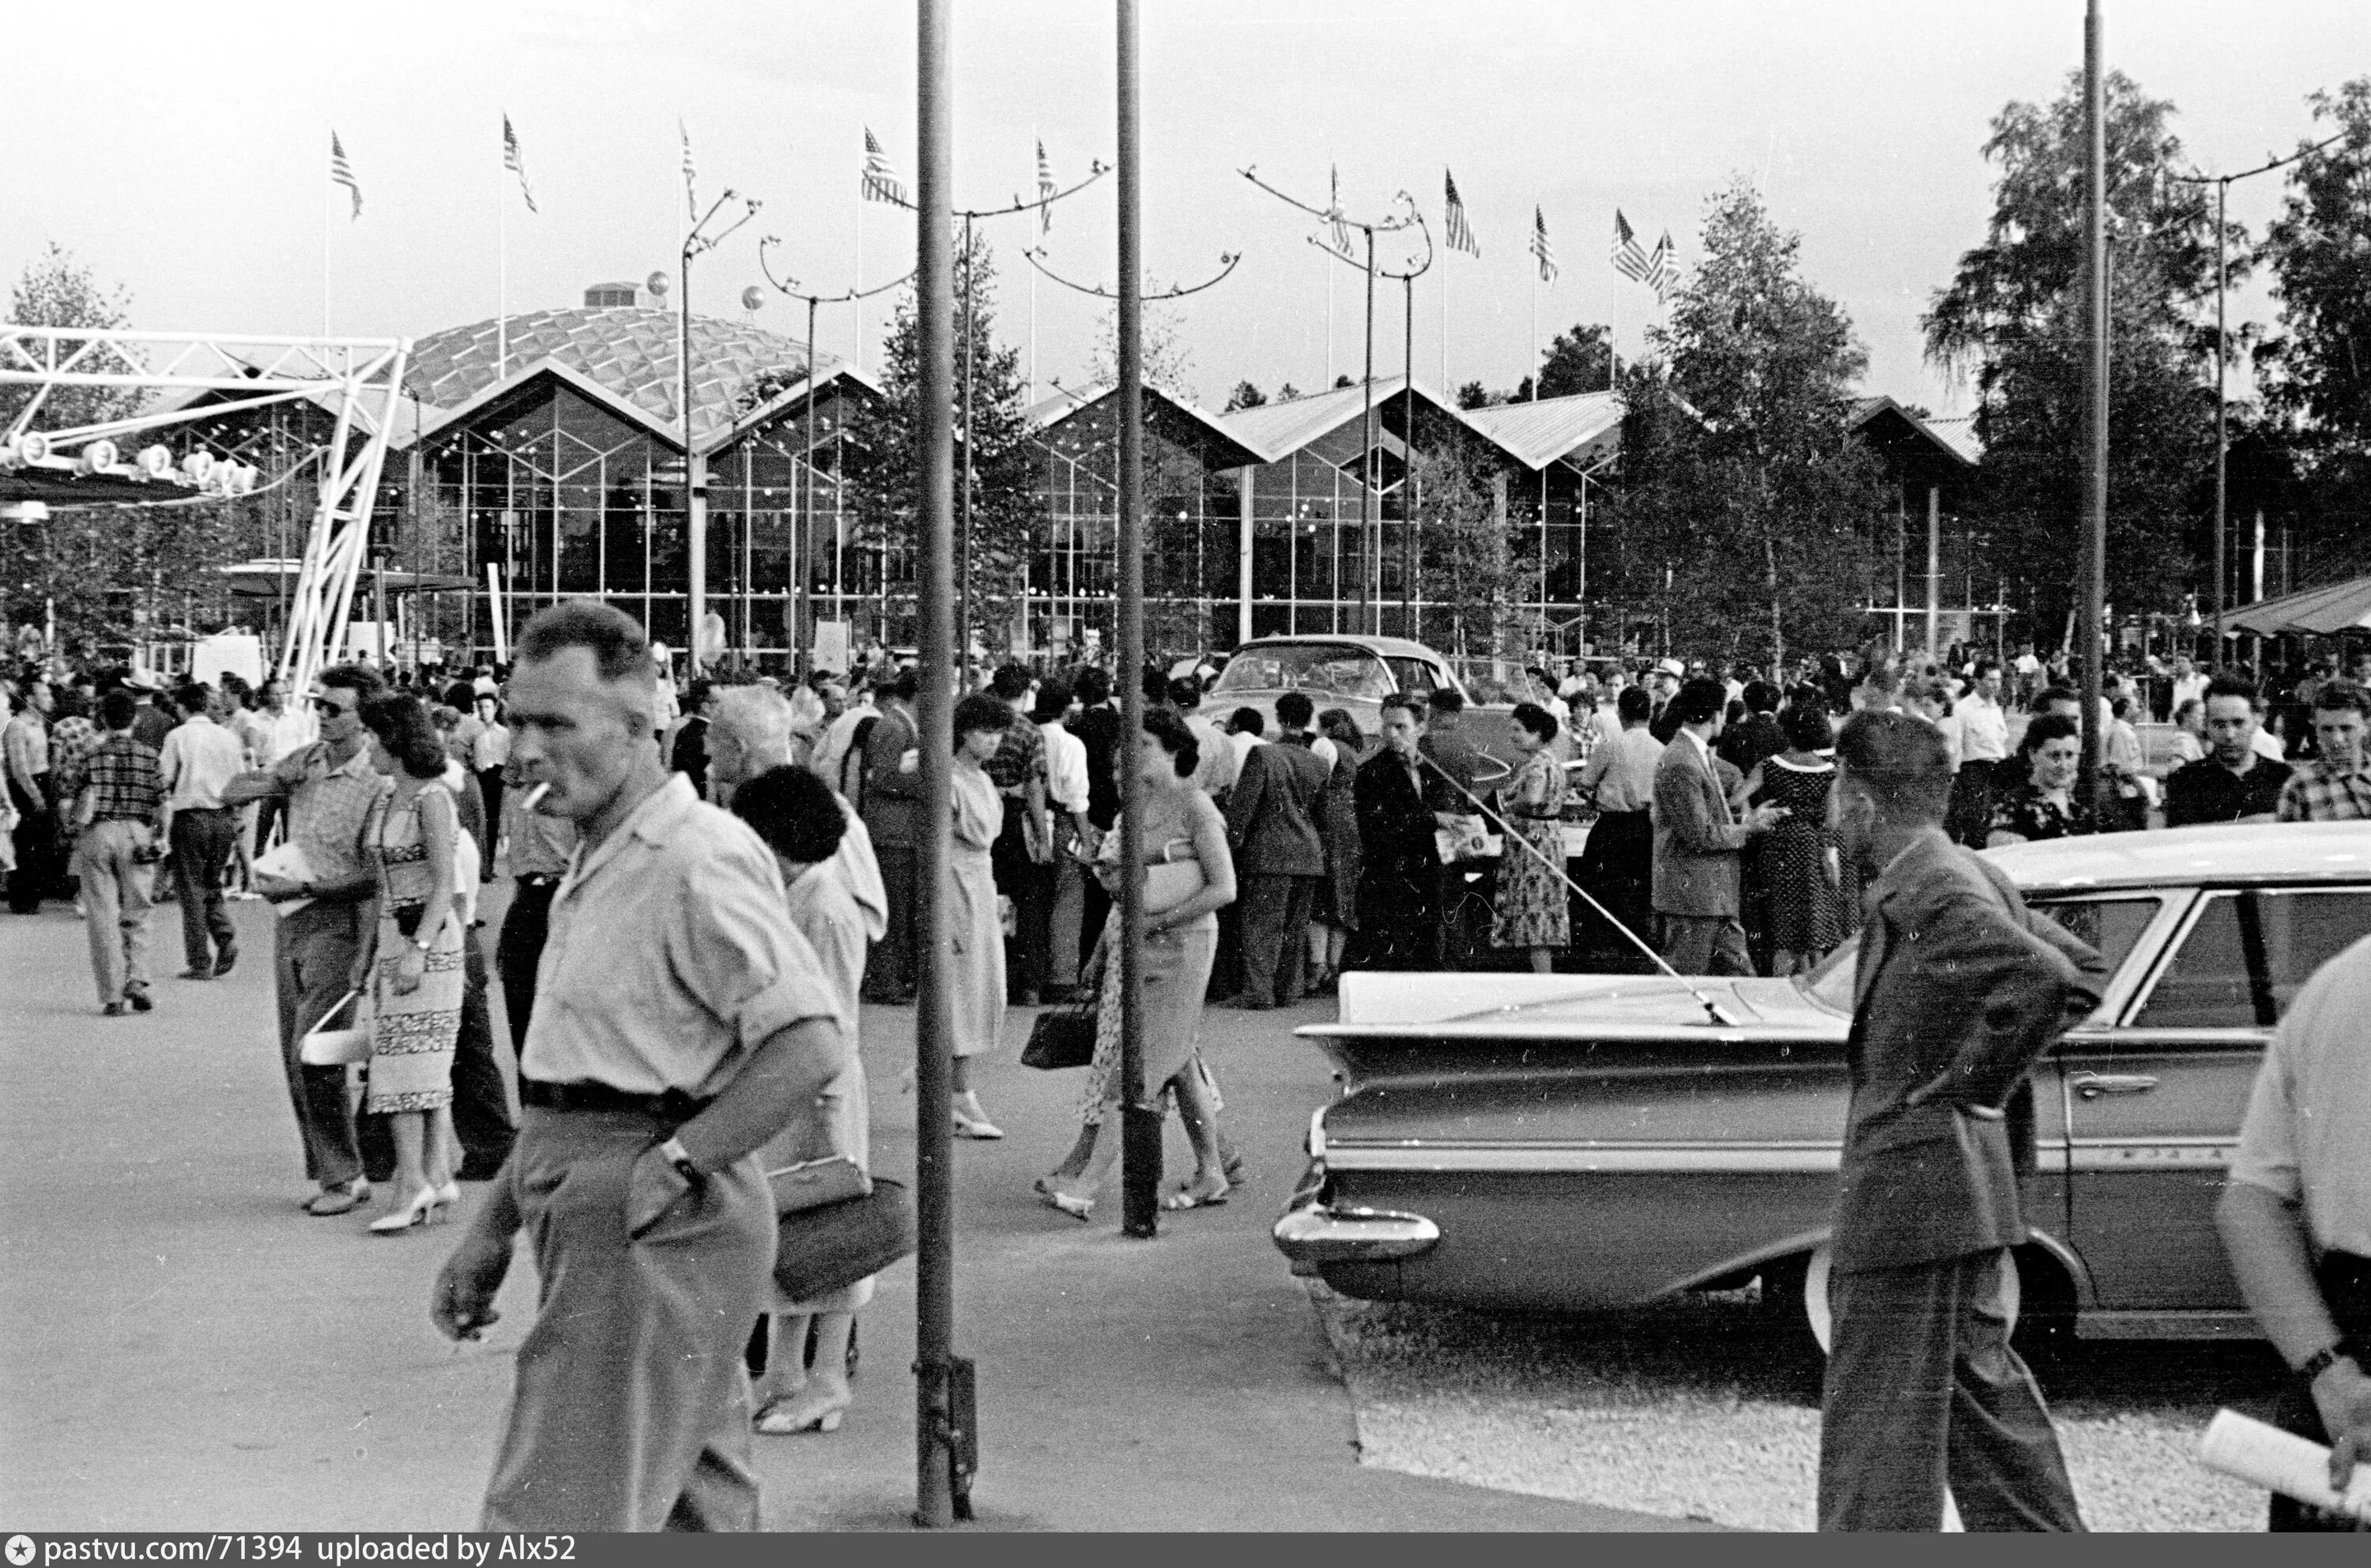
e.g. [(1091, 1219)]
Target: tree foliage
[(1246, 395), (2013, 315), (2319, 373), (1747, 501), (1468, 563), (1580, 360), (884, 452)]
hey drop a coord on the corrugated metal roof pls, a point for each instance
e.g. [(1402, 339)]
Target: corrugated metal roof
[(1956, 437), (628, 350), (1960, 435), (1228, 449), (1538, 434), (1282, 428)]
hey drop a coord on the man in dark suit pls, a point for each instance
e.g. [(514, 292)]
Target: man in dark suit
[(1399, 864), (1958, 989), (1700, 841), (1272, 823)]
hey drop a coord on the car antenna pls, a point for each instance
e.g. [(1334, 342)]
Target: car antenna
[(1713, 1010)]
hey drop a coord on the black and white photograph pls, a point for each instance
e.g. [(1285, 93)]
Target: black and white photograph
[(1105, 765)]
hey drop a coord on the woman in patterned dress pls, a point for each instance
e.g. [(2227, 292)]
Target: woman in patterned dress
[(1798, 859), (413, 964), (1334, 914), (2048, 803), (1532, 911)]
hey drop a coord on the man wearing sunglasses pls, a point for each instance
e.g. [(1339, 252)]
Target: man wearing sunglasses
[(327, 788)]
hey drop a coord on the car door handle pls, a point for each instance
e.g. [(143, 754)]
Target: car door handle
[(2091, 1085)]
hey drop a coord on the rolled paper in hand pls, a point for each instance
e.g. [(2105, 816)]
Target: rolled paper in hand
[(2281, 1461)]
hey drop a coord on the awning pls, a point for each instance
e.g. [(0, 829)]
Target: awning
[(2320, 612)]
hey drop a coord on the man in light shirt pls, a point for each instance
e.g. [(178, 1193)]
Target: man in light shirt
[(1980, 721), (1058, 912), (199, 757)]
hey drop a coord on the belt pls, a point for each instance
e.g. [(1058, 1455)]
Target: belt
[(674, 1106)]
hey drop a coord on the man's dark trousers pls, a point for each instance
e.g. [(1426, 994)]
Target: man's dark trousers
[(316, 961), (894, 967), (1276, 913), (203, 841), (519, 948), (39, 874), (1922, 1390)]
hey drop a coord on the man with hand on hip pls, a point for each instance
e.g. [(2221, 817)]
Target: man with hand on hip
[(681, 1023), (1959, 988)]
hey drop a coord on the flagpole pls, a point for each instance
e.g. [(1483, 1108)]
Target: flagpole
[(856, 310), (501, 271), (325, 253)]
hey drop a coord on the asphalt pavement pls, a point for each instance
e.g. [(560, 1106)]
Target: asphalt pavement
[(182, 1348)]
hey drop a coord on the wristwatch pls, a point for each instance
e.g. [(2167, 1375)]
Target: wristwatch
[(2329, 1355), (680, 1157)]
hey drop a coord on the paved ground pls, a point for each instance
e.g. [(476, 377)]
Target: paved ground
[(180, 1347)]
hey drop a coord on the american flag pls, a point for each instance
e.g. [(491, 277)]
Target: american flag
[(512, 161), (1663, 269), (1629, 256), (1541, 248), (343, 173), (690, 203), (1341, 226), (1461, 233), (1044, 188), (881, 182)]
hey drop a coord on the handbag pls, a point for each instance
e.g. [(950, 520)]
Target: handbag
[(323, 1046), (828, 1248), (812, 1183), (1062, 1037), (1469, 840)]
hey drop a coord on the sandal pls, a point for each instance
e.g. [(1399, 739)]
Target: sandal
[(797, 1413), (1188, 1198), (1053, 1197)]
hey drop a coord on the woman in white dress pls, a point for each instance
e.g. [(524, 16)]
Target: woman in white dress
[(833, 888), (974, 929)]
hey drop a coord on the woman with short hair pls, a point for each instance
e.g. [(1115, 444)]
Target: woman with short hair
[(974, 926), (413, 964)]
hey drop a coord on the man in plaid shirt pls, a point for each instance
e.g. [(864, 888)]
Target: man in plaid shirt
[(118, 795), (2335, 785)]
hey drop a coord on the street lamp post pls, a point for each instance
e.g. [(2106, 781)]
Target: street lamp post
[(1407, 395), (1368, 539), (2223, 183), (803, 549), (695, 472)]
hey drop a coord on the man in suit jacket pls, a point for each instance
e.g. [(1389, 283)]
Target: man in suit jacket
[(1399, 863), (892, 802), (1958, 989), (1272, 823), (1700, 841)]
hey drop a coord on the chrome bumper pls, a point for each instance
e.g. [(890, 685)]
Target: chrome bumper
[(1314, 1234)]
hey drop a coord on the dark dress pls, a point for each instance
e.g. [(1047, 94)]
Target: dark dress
[(2023, 810), (1337, 823), (1806, 907)]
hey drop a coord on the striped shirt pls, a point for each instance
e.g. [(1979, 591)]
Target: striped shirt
[(124, 780)]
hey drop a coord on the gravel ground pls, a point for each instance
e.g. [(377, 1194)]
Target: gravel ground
[(1686, 1409)]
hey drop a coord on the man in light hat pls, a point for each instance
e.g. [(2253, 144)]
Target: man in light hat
[(150, 725), (1662, 684)]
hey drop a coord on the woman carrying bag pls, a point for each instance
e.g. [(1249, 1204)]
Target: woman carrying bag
[(1189, 876), (412, 967)]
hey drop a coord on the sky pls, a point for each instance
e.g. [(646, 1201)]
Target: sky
[(186, 156)]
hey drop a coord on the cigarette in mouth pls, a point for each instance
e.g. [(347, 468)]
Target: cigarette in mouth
[(535, 796)]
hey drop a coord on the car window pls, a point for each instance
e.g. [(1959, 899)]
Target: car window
[(1417, 678), (1326, 669), (2111, 926), (2247, 954)]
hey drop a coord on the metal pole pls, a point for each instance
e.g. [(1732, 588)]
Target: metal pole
[(1139, 1129), (694, 504), (937, 1496), (2093, 585), (2222, 443), (1934, 571), (963, 612), (1371, 539), (803, 540), (1407, 457)]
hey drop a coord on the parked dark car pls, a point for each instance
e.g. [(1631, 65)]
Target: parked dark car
[(1570, 1142)]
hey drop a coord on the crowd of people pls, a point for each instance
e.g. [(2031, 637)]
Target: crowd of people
[(682, 983)]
